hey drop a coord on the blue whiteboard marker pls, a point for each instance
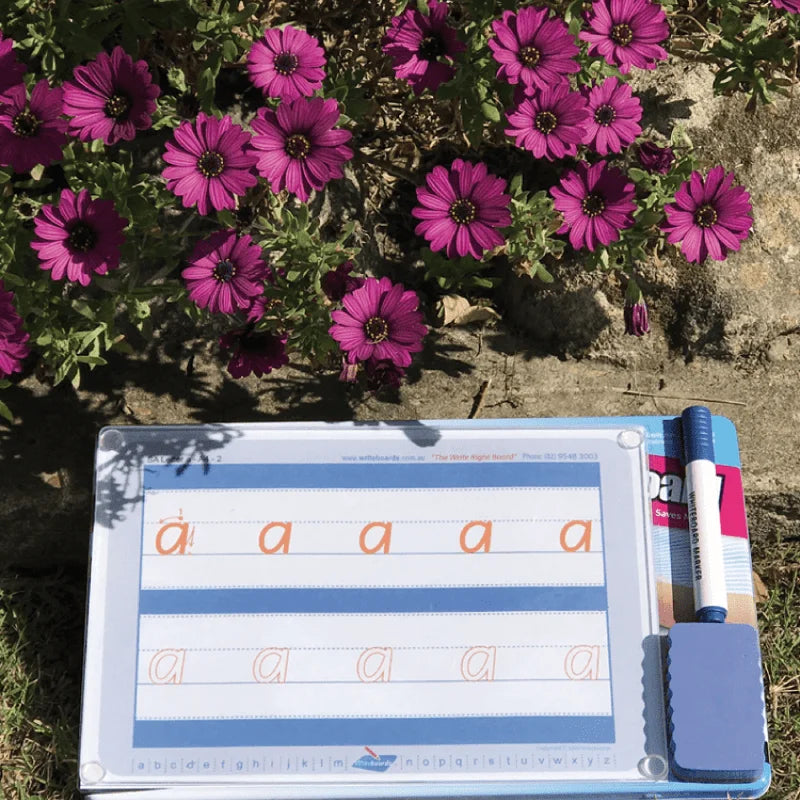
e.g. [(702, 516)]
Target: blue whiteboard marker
[(705, 532)]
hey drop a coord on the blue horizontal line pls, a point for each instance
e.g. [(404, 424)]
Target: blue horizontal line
[(383, 732), (389, 600), (572, 555), (360, 683), (372, 476)]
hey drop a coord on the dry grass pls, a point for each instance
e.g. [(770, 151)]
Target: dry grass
[(778, 562), (41, 649)]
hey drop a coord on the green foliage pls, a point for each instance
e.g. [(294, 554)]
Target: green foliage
[(56, 36), (753, 46), (530, 239), (456, 275), (299, 257), (474, 90)]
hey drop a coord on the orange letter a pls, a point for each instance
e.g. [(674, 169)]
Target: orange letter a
[(484, 542), (282, 543), (382, 544), (585, 540)]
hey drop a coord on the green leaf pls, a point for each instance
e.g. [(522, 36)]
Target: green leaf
[(64, 369), (177, 79), (638, 175), (230, 52), (93, 361), (83, 308), (5, 412), (490, 111)]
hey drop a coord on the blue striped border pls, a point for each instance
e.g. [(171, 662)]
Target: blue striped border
[(372, 601), (383, 732), (371, 475)]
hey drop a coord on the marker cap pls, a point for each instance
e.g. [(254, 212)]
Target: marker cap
[(711, 614), (698, 440)]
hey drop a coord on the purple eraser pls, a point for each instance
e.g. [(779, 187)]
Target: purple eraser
[(716, 703)]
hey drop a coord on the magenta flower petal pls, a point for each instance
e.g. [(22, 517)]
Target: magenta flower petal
[(78, 237), (297, 147), (286, 63), (31, 131), (597, 202), (210, 163), (614, 116), (13, 338), (379, 320), (461, 209), (655, 159), (11, 71), (110, 98), (533, 48), (336, 283), (709, 217), (627, 33), (423, 47), (225, 272), (551, 123), (257, 352)]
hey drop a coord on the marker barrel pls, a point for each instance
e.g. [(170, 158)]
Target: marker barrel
[(708, 571), (705, 530)]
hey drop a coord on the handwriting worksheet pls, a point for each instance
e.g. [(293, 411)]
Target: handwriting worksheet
[(318, 604)]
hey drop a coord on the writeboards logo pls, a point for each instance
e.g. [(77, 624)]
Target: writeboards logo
[(374, 762)]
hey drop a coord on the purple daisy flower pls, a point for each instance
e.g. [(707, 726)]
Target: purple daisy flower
[(551, 123), (14, 350), (416, 42), (597, 203), (379, 320), (31, 132), (792, 6), (110, 98), (709, 218), (533, 49), (300, 149), (336, 283), (349, 373), (257, 352), (11, 71), (627, 33), (257, 306), (10, 320), (225, 272), (383, 374), (614, 115), (654, 158), (634, 312), (13, 339), (78, 237), (461, 209), (286, 63), (210, 163)]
